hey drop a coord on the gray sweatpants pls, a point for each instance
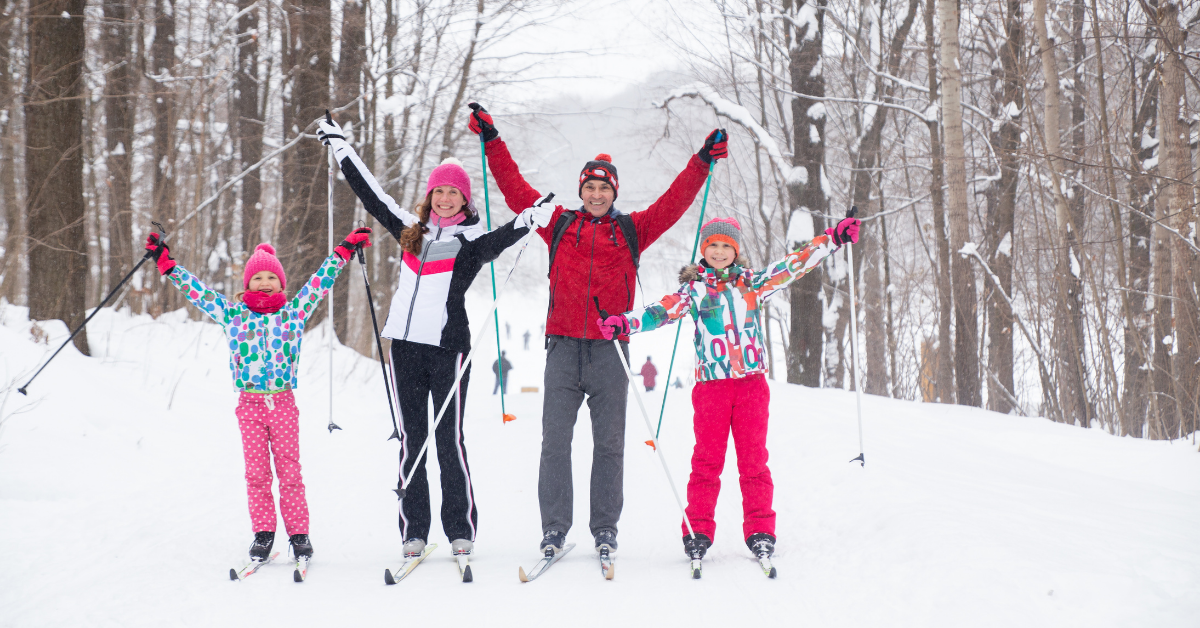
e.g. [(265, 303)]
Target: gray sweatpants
[(575, 368)]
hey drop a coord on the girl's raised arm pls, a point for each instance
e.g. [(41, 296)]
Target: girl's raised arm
[(211, 302)]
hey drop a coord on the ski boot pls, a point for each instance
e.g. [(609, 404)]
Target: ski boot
[(761, 544), (606, 539), (414, 547), (462, 546), (697, 547), (553, 540), (301, 547), (260, 549)]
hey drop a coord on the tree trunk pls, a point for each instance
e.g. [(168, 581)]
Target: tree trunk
[(804, 191), (119, 87), (1001, 224), (944, 369), (14, 242), (351, 61), (966, 325), (303, 216), (54, 164), (1179, 195), (162, 51), (249, 125)]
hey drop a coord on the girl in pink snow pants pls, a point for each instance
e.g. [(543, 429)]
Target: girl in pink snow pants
[(723, 296), (264, 329)]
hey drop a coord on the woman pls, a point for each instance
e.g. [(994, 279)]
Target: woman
[(444, 248)]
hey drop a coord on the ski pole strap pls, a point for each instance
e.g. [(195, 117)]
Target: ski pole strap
[(679, 328)]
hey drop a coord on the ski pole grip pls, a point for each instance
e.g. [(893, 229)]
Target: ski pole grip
[(549, 197), (328, 118), (852, 212)]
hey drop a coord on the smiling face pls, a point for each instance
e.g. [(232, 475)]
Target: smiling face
[(720, 254), (266, 282), (597, 197), (446, 200)]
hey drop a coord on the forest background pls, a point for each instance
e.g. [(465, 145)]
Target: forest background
[(1027, 172)]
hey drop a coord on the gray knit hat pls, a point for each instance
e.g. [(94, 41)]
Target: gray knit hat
[(722, 230)]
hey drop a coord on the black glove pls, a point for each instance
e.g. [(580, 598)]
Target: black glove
[(716, 146), (481, 123)]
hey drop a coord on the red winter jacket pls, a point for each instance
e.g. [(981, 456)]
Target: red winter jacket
[(593, 259)]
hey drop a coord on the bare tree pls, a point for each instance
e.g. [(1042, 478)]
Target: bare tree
[(54, 164), (249, 121), (14, 242), (349, 85), (119, 87)]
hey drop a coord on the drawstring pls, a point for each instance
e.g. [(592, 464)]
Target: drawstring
[(269, 401)]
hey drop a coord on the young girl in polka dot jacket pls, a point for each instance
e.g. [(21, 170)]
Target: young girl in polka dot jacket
[(264, 330), (724, 296)]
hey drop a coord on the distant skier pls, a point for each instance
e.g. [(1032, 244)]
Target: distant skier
[(723, 296), (501, 382), (264, 329), (648, 373), (594, 252), (444, 247), (526, 336), (678, 382)]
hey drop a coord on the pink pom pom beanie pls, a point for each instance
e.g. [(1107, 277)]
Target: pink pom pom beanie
[(451, 172), (263, 259)]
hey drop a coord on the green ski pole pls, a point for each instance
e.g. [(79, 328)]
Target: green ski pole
[(679, 327), (487, 210)]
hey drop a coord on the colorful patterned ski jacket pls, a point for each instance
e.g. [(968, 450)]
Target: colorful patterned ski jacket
[(725, 305), (263, 348)]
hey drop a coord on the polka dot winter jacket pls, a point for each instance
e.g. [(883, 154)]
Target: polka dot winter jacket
[(725, 305), (263, 348)]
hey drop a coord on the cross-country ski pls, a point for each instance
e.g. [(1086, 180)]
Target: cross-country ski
[(251, 568), (544, 564), (406, 568)]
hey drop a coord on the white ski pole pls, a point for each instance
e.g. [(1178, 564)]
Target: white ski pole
[(329, 211), (861, 459), (653, 438), (403, 488)]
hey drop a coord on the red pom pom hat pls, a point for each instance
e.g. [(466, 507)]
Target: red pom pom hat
[(263, 259), (600, 169)]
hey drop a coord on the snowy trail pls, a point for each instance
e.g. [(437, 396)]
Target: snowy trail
[(122, 503)]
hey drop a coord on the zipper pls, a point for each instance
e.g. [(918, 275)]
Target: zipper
[(417, 285), (587, 299)]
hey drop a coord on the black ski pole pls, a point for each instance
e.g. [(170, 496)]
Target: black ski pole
[(378, 344), (148, 255)]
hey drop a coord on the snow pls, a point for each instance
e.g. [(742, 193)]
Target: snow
[(1005, 246), (737, 113), (969, 248), (817, 111), (122, 503), (119, 149), (800, 227), (806, 20)]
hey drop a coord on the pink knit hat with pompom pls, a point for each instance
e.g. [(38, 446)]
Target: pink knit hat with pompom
[(450, 172), (263, 259)]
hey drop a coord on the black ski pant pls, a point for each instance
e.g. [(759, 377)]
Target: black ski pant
[(418, 371), (577, 368)]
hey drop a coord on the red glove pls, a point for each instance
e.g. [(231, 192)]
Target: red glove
[(158, 250), (359, 238), (481, 123), (845, 231), (716, 146), (612, 326)]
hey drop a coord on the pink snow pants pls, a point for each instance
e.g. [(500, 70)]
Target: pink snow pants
[(740, 406), (270, 425)]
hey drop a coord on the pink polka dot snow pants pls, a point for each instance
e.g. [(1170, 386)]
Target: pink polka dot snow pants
[(272, 421)]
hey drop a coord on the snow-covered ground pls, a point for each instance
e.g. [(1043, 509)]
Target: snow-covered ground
[(122, 503)]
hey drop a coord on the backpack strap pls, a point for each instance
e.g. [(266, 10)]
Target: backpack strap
[(560, 228), (625, 222)]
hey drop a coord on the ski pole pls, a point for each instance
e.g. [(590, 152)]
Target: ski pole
[(678, 329), (148, 255), (378, 344), (403, 488), (487, 210), (861, 459), (649, 426), (332, 164)]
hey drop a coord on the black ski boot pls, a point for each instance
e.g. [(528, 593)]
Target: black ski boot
[(606, 538), (301, 547), (697, 547), (260, 549), (761, 543), (553, 539)]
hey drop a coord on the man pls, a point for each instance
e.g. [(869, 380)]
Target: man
[(526, 336), (648, 374), (501, 382), (592, 266)]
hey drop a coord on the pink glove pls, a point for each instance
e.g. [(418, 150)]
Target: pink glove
[(360, 237), (158, 250), (612, 326), (845, 231)]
